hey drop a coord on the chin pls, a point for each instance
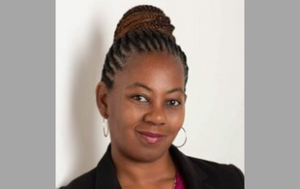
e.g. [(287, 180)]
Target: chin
[(148, 154), (147, 157)]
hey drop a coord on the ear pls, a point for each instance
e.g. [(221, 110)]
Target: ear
[(101, 98)]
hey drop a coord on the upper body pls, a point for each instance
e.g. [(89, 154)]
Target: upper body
[(142, 96), (196, 174)]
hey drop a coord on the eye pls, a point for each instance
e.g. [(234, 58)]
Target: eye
[(173, 103), (139, 98)]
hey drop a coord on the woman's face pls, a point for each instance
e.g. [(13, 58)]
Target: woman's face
[(146, 106)]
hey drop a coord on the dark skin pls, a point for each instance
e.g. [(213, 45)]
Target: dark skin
[(147, 97)]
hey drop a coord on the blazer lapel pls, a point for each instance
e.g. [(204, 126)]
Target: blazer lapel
[(194, 177), (105, 174)]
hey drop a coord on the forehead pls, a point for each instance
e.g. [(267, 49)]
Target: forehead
[(152, 69), (151, 60)]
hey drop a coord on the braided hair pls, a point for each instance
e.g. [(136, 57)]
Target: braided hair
[(142, 29)]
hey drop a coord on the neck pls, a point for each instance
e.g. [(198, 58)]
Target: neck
[(133, 171)]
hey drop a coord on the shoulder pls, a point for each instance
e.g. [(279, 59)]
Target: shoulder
[(220, 174), (86, 181)]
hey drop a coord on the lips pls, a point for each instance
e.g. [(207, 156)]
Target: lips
[(150, 137)]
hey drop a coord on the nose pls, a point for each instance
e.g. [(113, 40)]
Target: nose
[(156, 115)]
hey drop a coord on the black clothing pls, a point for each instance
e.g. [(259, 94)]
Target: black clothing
[(196, 173)]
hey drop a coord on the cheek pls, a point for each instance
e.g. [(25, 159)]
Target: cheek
[(123, 117), (176, 119)]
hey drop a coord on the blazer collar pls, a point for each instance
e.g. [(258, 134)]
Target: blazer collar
[(193, 176), (105, 172)]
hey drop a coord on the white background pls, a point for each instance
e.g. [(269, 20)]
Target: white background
[(211, 33)]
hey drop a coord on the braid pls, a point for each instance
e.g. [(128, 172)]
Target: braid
[(142, 29)]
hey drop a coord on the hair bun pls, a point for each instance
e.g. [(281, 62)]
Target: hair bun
[(145, 17)]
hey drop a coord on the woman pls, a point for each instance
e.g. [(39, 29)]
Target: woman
[(142, 96)]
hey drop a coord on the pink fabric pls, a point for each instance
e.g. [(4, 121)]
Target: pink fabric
[(179, 182)]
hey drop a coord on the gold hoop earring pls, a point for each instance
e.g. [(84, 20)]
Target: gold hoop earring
[(185, 139), (105, 128)]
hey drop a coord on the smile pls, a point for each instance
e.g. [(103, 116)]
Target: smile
[(151, 138)]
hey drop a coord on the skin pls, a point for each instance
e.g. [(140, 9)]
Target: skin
[(147, 96)]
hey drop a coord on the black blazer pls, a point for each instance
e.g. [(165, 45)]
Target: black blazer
[(197, 174)]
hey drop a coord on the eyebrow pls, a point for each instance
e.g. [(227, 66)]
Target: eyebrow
[(137, 84)]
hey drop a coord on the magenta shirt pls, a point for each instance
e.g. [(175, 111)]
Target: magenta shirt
[(179, 182)]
